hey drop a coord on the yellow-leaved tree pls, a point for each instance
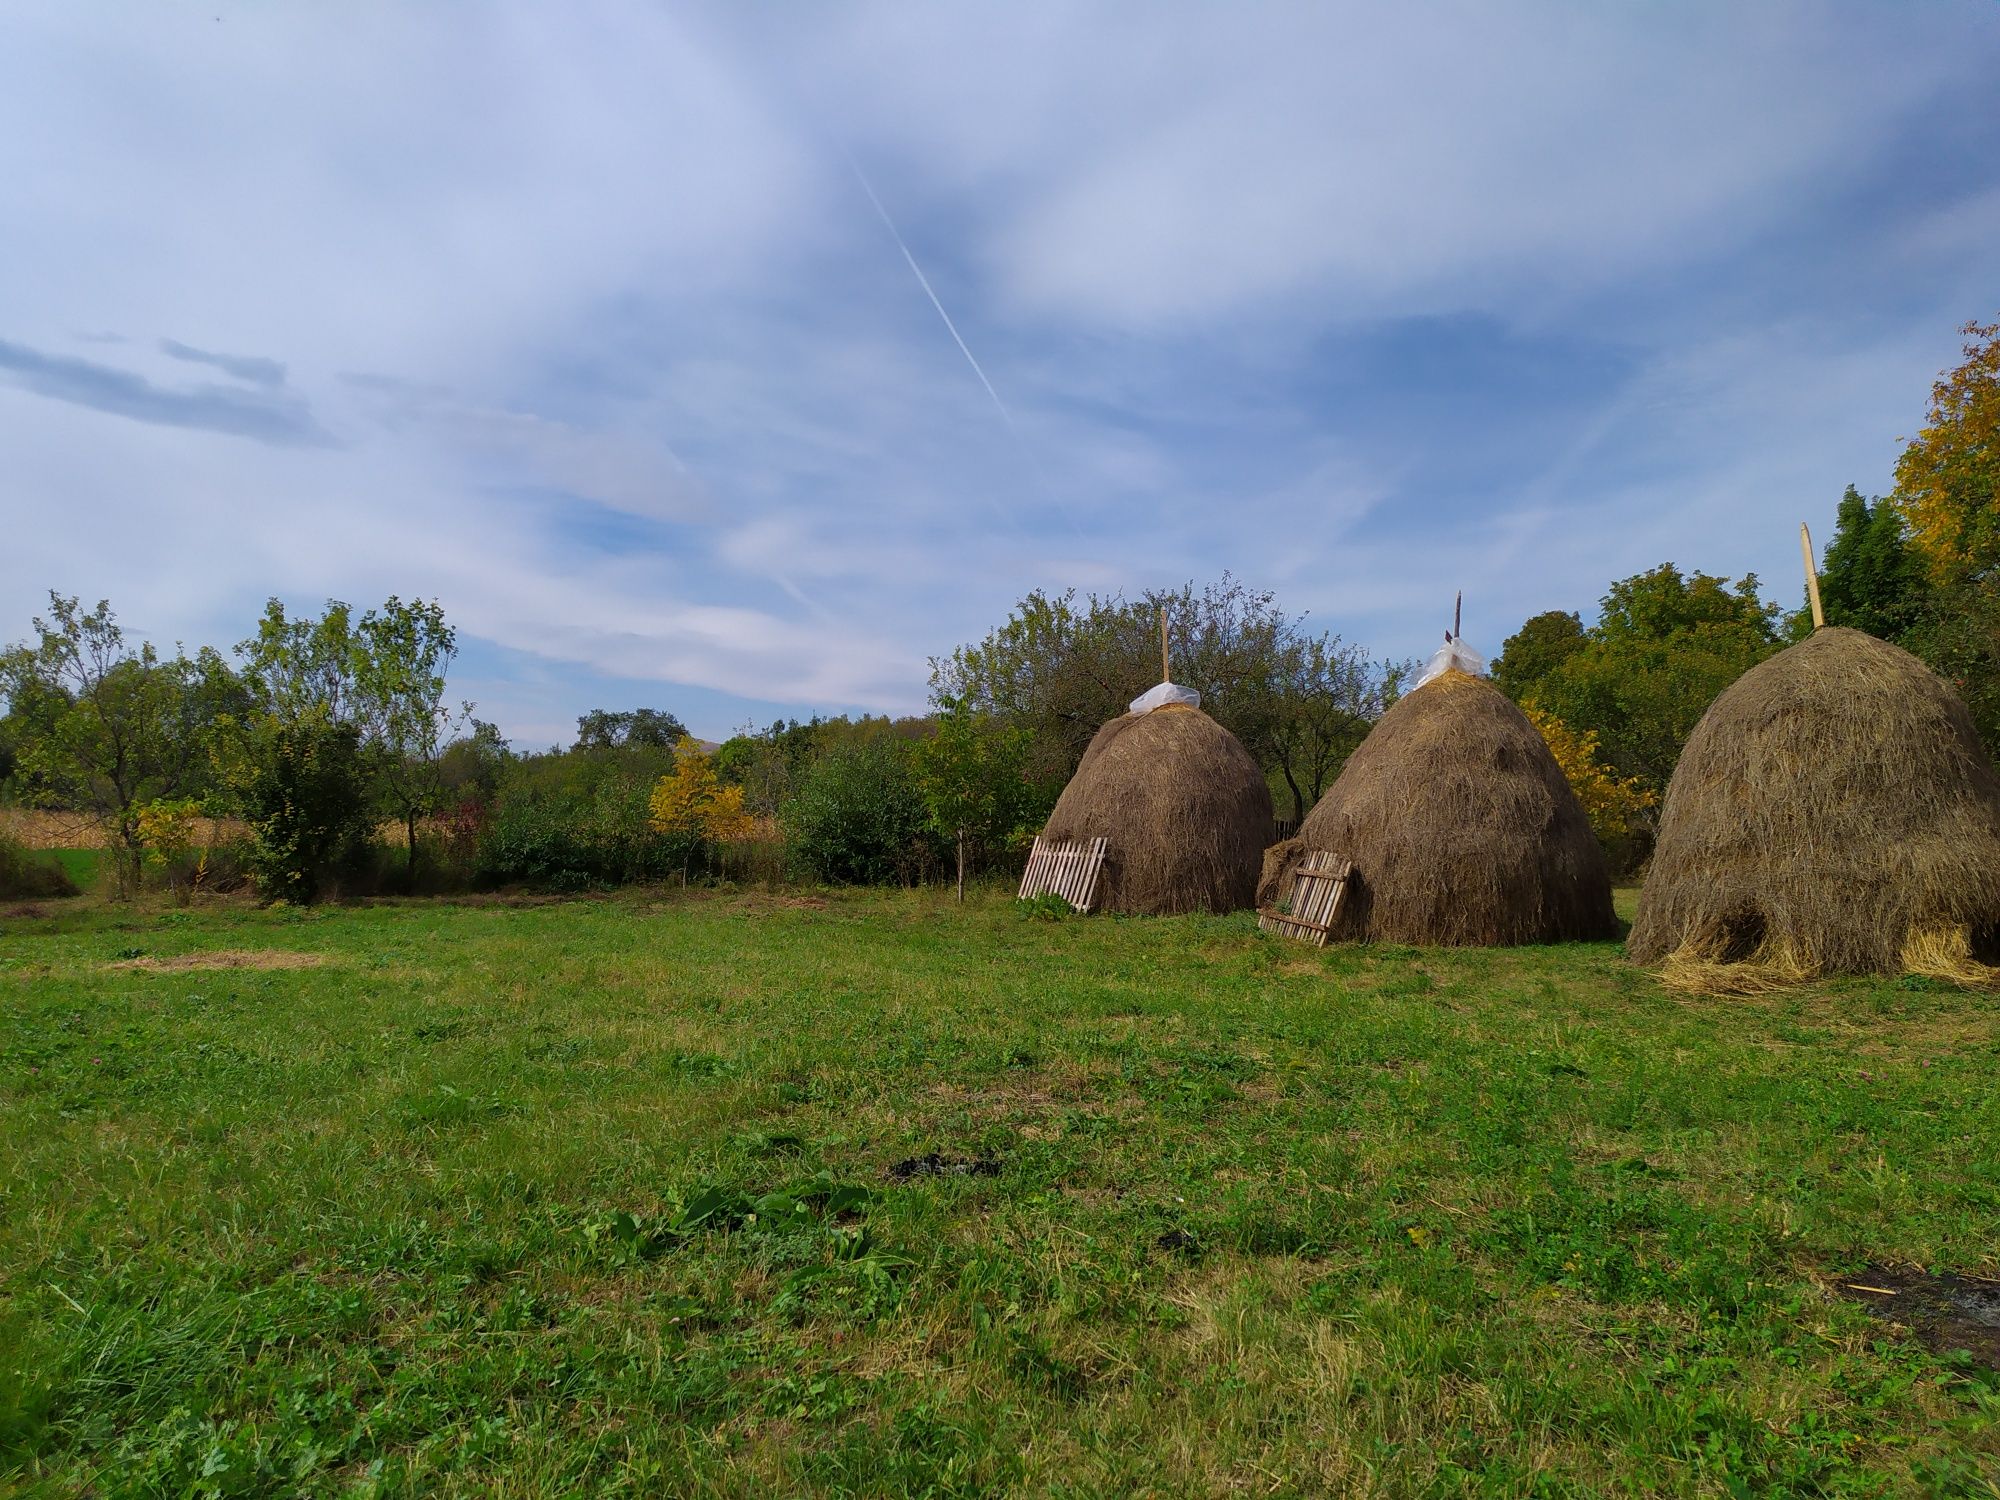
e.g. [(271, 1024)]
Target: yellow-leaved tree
[(692, 804), (170, 829), (1608, 801), (1948, 479)]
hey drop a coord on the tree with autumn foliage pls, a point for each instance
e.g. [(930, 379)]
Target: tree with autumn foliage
[(1948, 479), (691, 805), (1610, 801)]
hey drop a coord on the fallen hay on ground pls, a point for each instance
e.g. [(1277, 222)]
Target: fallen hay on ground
[(1833, 813)]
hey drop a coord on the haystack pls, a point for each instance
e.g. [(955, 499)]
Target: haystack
[(1185, 812), (1461, 829), (1833, 813)]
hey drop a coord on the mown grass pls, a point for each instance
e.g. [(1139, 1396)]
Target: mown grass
[(598, 1196)]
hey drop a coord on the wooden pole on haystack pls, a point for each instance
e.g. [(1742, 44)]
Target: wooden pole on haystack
[(1812, 577), (1457, 612), (1165, 675)]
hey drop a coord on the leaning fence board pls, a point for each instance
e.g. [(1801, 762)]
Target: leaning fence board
[(1317, 889), (1064, 867)]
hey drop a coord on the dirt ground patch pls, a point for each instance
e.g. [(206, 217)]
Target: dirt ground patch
[(1947, 1312), (227, 958)]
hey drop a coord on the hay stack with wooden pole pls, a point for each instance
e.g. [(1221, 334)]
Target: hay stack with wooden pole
[(1833, 813), (1184, 809), (1460, 825)]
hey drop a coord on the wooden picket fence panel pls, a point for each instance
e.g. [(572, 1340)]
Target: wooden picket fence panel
[(1317, 889), (1068, 867)]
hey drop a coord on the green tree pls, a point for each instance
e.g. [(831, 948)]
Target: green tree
[(1948, 496), (1324, 698), (1060, 667), (104, 727), (402, 653), (1958, 637), (652, 728), (971, 773), (10, 753), (1870, 577), (1664, 646), (300, 782), (296, 764), (472, 765), (1055, 668), (382, 677), (296, 666), (1536, 650)]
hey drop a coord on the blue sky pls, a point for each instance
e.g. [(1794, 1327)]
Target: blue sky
[(582, 319)]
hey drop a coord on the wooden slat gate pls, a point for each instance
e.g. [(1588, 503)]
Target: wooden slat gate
[(1317, 889), (1068, 867)]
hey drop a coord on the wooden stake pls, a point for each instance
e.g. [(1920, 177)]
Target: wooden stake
[(1812, 577), (1165, 675), (1457, 611)]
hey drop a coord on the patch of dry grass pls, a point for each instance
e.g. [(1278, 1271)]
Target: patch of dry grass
[(225, 958)]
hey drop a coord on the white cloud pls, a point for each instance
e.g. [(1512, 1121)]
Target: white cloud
[(611, 254), (1155, 169)]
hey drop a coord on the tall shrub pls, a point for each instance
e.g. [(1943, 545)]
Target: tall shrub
[(570, 820), (860, 819), (302, 785)]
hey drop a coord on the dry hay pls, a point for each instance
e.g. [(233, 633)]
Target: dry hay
[(1184, 810), (224, 958), (41, 828), (1461, 828), (1833, 813)]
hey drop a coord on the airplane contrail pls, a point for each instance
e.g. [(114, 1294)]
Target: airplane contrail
[(1013, 429), (925, 282)]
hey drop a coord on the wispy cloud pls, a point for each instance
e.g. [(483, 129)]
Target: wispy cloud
[(1364, 303), (268, 417), (248, 367)]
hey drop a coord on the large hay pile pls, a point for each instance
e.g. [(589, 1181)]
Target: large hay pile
[(1833, 813), (1461, 828), (1186, 811)]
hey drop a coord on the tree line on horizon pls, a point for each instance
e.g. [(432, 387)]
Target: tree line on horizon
[(325, 729)]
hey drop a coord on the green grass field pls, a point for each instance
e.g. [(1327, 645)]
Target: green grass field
[(87, 867), (752, 1194)]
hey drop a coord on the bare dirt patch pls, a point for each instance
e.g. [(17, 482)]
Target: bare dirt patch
[(224, 958), (1946, 1311), (936, 1164)]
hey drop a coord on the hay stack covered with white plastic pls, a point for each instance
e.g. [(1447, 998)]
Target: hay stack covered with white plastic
[(1184, 810), (1460, 825)]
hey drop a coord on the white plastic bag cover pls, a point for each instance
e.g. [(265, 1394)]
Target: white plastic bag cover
[(1452, 655), (1161, 696)]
